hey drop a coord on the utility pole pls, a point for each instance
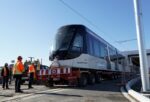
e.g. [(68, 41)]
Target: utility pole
[(141, 46), (31, 58), (41, 61)]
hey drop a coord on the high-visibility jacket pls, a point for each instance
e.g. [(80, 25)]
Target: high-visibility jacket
[(31, 69), (18, 68)]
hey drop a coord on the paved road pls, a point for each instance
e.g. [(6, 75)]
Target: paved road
[(107, 91)]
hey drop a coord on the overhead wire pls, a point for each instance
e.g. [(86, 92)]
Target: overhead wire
[(95, 26), (86, 19), (79, 14), (124, 41)]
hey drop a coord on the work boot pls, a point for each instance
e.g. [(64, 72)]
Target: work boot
[(30, 87), (20, 91)]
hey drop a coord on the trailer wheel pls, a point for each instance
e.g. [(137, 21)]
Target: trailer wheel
[(49, 83), (82, 81), (98, 78), (114, 76), (91, 79)]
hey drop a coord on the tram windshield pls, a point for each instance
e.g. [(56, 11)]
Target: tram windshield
[(63, 38), (68, 43)]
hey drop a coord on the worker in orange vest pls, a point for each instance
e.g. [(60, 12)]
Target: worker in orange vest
[(17, 72), (31, 75)]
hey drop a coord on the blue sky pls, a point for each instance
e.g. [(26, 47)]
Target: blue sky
[(27, 27)]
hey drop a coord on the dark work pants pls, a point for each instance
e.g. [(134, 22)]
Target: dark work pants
[(31, 77), (10, 79), (5, 81), (18, 82)]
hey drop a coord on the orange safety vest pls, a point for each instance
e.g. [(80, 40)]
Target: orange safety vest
[(18, 68), (31, 69)]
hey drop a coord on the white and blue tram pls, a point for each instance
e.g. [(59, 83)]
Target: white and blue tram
[(85, 54)]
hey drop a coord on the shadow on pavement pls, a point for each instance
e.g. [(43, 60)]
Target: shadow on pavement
[(58, 94), (105, 85), (7, 95)]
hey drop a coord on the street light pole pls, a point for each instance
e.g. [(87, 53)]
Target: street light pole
[(141, 47)]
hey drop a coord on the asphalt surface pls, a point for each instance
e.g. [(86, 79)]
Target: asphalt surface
[(106, 91)]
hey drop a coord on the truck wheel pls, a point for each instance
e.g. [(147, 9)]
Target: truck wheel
[(49, 83), (82, 81), (98, 78), (91, 79), (114, 76)]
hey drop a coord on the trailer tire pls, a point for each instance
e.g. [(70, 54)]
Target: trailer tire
[(91, 79), (114, 76), (82, 81), (49, 83), (98, 78)]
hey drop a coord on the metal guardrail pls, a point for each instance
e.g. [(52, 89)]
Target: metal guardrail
[(135, 94)]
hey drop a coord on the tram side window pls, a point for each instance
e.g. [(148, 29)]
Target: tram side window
[(78, 43), (103, 52), (90, 47), (113, 54), (96, 48)]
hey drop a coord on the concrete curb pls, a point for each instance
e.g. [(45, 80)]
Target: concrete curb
[(135, 94), (126, 95)]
